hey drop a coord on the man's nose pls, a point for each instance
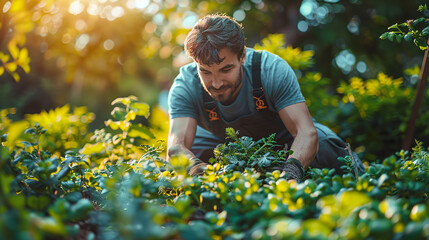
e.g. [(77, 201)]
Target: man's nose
[(217, 83)]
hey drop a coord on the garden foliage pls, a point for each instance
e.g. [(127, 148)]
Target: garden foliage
[(116, 187)]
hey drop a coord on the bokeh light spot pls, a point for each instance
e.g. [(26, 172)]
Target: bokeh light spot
[(239, 15), (189, 20), (6, 6), (81, 42), (361, 66), (141, 4), (80, 25), (307, 7), (76, 7), (92, 9), (108, 44), (302, 26), (117, 12)]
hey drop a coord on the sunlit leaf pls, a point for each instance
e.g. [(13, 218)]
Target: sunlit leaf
[(140, 131), (118, 113), (131, 115), (112, 124), (141, 109), (16, 129), (89, 149), (126, 101)]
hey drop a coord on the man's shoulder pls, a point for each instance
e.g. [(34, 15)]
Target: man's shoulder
[(187, 81)]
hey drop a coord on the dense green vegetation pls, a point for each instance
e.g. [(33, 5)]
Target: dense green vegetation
[(116, 185), (69, 172)]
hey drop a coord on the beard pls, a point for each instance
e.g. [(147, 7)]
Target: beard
[(227, 93)]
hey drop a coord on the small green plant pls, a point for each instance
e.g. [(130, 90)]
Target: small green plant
[(243, 152), (416, 30)]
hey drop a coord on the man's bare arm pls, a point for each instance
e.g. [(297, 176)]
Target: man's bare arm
[(298, 121), (181, 136)]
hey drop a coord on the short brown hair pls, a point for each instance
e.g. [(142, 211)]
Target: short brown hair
[(211, 34)]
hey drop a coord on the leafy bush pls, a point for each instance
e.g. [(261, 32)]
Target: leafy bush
[(71, 196)]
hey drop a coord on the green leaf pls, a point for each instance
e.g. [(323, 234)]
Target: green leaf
[(39, 203), (408, 37), (197, 230), (81, 209), (114, 125), (118, 113), (419, 20), (126, 101), (140, 109), (393, 26), (384, 35), (90, 149), (425, 31), (399, 38), (230, 132), (391, 36), (140, 131), (60, 209), (14, 132), (423, 8), (73, 197)]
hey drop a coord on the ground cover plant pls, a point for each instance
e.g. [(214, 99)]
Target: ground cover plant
[(94, 192), (60, 180)]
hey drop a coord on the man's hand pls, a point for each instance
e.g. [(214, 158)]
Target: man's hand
[(197, 168), (294, 169)]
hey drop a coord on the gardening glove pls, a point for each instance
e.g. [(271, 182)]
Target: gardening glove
[(294, 169), (197, 168)]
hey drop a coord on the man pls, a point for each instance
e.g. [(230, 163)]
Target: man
[(256, 93)]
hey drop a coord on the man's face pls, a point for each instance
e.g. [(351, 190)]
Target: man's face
[(223, 81)]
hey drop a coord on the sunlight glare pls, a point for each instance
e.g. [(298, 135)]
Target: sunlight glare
[(108, 44), (117, 12), (141, 4), (239, 15), (152, 9), (80, 25), (7, 6), (81, 42), (92, 9), (189, 20), (76, 7)]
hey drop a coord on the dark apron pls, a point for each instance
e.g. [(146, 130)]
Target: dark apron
[(263, 123)]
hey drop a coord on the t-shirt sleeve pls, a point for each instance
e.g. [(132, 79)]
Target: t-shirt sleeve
[(182, 99), (282, 84)]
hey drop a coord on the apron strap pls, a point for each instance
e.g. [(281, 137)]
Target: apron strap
[(258, 91)]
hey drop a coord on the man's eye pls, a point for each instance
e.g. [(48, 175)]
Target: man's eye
[(205, 72), (226, 70)]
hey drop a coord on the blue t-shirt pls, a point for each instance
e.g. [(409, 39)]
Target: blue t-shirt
[(278, 80)]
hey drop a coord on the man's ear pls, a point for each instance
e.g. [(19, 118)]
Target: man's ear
[(243, 55)]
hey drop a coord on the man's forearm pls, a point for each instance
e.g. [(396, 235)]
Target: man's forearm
[(305, 147)]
